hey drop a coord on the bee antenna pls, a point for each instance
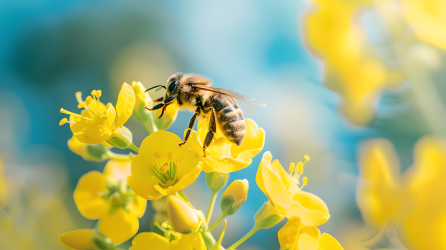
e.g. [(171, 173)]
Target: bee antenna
[(157, 86)]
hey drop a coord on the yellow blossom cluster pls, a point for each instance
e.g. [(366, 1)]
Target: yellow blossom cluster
[(117, 197), (412, 203)]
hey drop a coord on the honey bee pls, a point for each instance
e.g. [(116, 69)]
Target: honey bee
[(193, 92)]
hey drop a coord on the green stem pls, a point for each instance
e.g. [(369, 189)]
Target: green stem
[(253, 231), (211, 206), (222, 234), (149, 127), (183, 195), (94, 224), (117, 157), (134, 148), (210, 241), (216, 223)]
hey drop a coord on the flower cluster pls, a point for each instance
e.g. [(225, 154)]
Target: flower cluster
[(161, 169)]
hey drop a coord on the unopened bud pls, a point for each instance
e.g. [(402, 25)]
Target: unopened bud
[(234, 196), (102, 242), (90, 152), (267, 216), (142, 100), (182, 218), (121, 138), (216, 180), (168, 118)]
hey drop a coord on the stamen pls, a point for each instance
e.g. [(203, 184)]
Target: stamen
[(169, 155), (79, 97), (98, 94), (292, 167), (164, 168), (81, 105), (173, 171), (74, 114), (157, 155), (299, 168), (305, 181), (159, 175), (306, 158), (63, 121)]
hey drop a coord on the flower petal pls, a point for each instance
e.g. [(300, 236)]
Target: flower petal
[(276, 192), (311, 209), (190, 241), (87, 195), (306, 242), (143, 189), (253, 143), (184, 181), (79, 239), (98, 129), (119, 225), (125, 104), (154, 240), (327, 242), (117, 170), (139, 206)]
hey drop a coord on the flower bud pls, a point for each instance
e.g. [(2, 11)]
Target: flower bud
[(267, 216), (234, 196), (142, 100), (121, 138), (102, 242), (90, 152), (182, 218), (216, 180), (168, 118)]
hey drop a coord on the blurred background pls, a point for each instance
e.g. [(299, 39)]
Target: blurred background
[(284, 53)]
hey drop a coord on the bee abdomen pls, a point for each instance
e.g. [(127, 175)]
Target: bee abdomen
[(230, 118)]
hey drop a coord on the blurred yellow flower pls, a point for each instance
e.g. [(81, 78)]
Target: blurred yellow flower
[(162, 167), (283, 191), (97, 121), (296, 236), (379, 191), (152, 118), (108, 198), (350, 68), (4, 189), (428, 19), (417, 210), (145, 241), (223, 155)]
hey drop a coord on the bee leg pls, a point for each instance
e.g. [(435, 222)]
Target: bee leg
[(210, 134), (191, 125), (158, 106)]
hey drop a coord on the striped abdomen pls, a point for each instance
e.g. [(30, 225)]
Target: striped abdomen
[(229, 118)]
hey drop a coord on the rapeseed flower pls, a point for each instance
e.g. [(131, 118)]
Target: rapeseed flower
[(145, 241), (223, 155), (162, 167), (286, 196), (412, 203), (108, 198), (97, 121), (234, 196), (428, 19), (296, 236)]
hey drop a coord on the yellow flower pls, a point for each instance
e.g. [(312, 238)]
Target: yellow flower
[(428, 19), (378, 195), (296, 236), (108, 198), (4, 189), (234, 196), (350, 70), (85, 239), (152, 118), (283, 191), (162, 167), (97, 121), (145, 241), (413, 204), (223, 155)]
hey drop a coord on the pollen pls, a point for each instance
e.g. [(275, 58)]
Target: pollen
[(306, 158), (63, 121), (299, 168), (305, 182), (169, 155), (292, 167)]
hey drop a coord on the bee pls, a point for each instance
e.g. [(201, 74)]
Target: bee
[(193, 92)]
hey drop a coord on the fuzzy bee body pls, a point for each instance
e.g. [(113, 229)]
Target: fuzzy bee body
[(229, 118), (193, 91)]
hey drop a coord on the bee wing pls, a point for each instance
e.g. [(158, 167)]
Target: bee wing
[(247, 107), (231, 93)]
